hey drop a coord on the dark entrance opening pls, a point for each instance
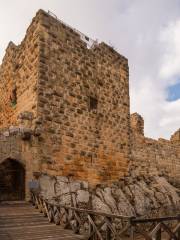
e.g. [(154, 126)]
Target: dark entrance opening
[(12, 181)]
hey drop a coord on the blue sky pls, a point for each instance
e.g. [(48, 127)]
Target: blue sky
[(173, 92), (146, 32)]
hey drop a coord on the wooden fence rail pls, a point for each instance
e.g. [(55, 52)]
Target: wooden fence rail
[(102, 226)]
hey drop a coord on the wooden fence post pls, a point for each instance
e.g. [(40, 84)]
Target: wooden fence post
[(91, 229), (108, 231), (158, 234), (132, 228), (178, 233)]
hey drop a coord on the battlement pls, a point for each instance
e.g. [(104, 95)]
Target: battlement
[(154, 157), (137, 123), (175, 138)]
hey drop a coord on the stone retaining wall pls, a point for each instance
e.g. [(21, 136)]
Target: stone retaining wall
[(130, 197)]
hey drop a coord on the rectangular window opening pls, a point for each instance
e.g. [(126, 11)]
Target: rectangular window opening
[(93, 102)]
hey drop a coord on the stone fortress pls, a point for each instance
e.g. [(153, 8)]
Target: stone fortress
[(65, 113)]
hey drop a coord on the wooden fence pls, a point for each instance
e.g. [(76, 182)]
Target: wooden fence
[(101, 226)]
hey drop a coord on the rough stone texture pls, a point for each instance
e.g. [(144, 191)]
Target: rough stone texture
[(151, 196), (75, 99), (82, 196), (14, 145), (175, 138), (79, 141), (19, 73), (137, 123), (64, 111), (154, 157), (18, 78)]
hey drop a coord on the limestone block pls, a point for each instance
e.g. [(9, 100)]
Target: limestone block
[(141, 202), (47, 185), (65, 199), (170, 190), (62, 179), (99, 205), (62, 188), (82, 196), (85, 185), (106, 196), (123, 204), (75, 186)]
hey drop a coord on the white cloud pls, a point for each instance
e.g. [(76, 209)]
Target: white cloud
[(147, 32), (170, 37), (171, 115)]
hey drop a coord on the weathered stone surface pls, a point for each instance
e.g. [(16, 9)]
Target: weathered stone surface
[(154, 157), (47, 184), (136, 199), (123, 203), (99, 205), (106, 196), (82, 196), (62, 188), (64, 111), (77, 105)]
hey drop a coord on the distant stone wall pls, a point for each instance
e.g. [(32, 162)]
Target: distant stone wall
[(83, 104), (154, 157)]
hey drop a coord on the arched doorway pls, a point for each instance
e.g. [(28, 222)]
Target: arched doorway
[(12, 180)]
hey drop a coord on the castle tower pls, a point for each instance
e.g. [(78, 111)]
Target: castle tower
[(70, 96)]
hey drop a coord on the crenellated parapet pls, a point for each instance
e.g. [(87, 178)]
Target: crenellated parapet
[(175, 138), (137, 123), (154, 157)]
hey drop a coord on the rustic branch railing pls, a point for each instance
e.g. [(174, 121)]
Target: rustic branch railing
[(101, 226), (161, 228)]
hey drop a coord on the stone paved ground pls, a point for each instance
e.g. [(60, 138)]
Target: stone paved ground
[(19, 221)]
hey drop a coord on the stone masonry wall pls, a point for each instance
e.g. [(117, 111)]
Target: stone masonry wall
[(20, 144), (18, 78), (83, 106), (64, 111), (150, 196), (74, 102), (19, 74), (154, 157), (145, 191)]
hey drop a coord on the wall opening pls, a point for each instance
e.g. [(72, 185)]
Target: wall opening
[(13, 97), (93, 102), (12, 181)]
